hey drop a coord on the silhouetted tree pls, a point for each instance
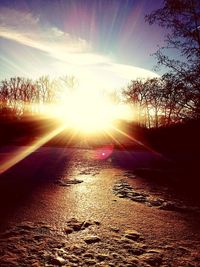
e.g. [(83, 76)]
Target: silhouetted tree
[(159, 101), (23, 95), (181, 53), (16, 94), (139, 93)]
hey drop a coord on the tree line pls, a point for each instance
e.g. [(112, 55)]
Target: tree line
[(20, 96), (160, 101), (175, 96), (156, 101)]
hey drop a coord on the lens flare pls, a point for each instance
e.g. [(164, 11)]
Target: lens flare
[(104, 152)]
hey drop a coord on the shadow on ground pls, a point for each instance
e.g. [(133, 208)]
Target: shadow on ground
[(180, 176), (36, 171)]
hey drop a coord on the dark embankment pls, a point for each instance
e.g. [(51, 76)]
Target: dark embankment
[(179, 141), (22, 131), (28, 130), (180, 144)]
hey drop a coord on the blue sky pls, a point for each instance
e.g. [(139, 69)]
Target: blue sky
[(102, 42)]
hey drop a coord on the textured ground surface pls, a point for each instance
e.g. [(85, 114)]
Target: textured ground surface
[(73, 207)]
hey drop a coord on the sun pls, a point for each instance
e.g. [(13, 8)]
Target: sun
[(88, 112)]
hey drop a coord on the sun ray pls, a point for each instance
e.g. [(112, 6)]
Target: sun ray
[(25, 152), (136, 141), (114, 139)]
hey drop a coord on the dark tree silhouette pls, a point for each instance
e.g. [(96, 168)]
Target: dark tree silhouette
[(181, 53), (146, 97), (21, 95), (159, 101)]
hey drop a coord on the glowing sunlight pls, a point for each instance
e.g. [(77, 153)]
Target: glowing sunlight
[(89, 112)]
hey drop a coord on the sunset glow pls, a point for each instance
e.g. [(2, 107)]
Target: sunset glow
[(88, 112)]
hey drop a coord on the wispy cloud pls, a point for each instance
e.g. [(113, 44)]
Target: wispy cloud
[(72, 53), (26, 29)]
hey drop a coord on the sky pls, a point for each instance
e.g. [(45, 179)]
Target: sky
[(104, 43)]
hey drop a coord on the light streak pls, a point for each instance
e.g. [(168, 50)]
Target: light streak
[(25, 152)]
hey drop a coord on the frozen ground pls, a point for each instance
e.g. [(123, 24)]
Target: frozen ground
[(76, 207)]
